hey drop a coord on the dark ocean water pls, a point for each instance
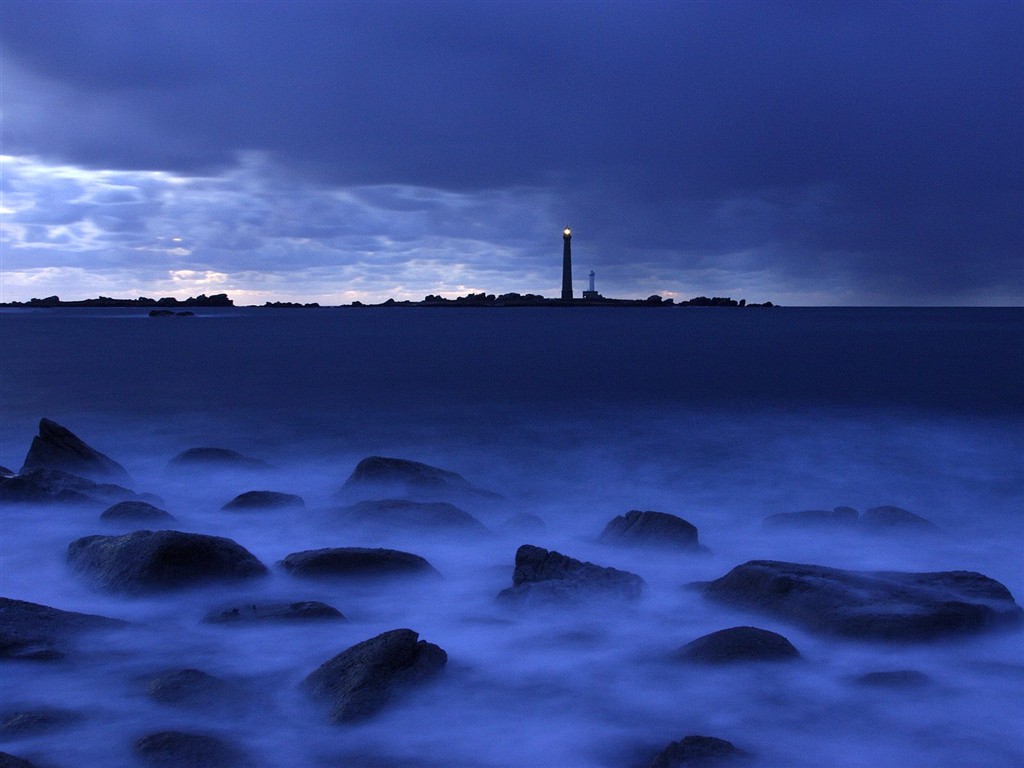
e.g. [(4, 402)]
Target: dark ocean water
[(720, 416)]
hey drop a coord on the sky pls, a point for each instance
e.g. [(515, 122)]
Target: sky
[(806, 153)]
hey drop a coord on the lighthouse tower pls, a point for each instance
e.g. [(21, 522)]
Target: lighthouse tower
[(567, 265)]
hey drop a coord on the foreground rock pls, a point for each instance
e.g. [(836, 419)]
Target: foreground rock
[(382, 477), (178, 749), (359, 681), (406, 514), (55, 486), (40, 633), (652, 529), (136, 512), (885, 605), (356, 562), (310, 610), (543, 575), (738, 644), (215, 458), (264, 500), (698, 752), (57, 447), (145, 561)]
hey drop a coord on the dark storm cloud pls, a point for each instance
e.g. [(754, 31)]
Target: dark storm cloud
[(871, 145)]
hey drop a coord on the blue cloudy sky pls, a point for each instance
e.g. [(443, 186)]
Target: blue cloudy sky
[(807, 153)]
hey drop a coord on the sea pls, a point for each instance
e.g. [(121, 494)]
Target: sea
[(575, 415)]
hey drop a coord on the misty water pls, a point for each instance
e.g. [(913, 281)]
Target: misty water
[(719, 416)]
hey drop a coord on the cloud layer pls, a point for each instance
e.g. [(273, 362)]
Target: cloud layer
[(803, 152)]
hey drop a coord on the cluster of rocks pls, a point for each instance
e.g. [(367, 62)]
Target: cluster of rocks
[(389, 492), (882, 519)]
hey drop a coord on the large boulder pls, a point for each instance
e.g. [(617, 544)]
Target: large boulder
[(652, 529), (144, 561), (215, 458), (135, 512), (543, 575), (55, 486), (264, 500), (56, 447), (360, 680), (698, 752), (406, 514), (39, 632), (179, 749), (738, 644), (309, 610), (884, 605), (383, 477), (356, 562)]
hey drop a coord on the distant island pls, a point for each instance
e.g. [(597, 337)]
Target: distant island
[(162, 306)]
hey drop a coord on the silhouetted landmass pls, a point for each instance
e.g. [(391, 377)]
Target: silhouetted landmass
[(202, 300)]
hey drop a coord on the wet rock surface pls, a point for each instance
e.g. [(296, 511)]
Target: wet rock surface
[(136, 512), (883, 605), (356, 562), (31, 631), (738, 644), (698, 752), (145, 561), (180, 749), (406, 514), (264, 500), (362, 679), (383, 477), (56, 447), (542, 575), (652, 529), (310, 610)]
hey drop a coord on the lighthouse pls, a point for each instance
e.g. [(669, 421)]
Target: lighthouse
[(566, 265)]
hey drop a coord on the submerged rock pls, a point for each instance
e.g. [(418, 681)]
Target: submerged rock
[(135, 512), (357, 562), (523, 522), (57, 447), (189, 688), (657, 529), (379, 476), (38, 632), (48, 486), (404, 513), (309, 610), (542, 575), (264, 500), (10, 761), (738, 644), (889, 517), (178, 749), (158, 560), (884, 605), (897, 678), (362, 679), (698, 752), (814, 518), (222, 458), (35, 721)]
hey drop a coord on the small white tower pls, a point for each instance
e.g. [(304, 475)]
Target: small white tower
[(592, 293)]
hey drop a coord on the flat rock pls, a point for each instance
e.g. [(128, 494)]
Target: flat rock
[(49, 486), (698, 752), (359, 681), (738, 644), (844, 517), (652, 529), (310, 610), (159, 560), (356, 562), (188, 688), (406, 514), (56, 447), (543, 575), (135, 512), (38, 632), (178, 749), (214, 458), (882, 605), (264, 500), (383, 477)]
